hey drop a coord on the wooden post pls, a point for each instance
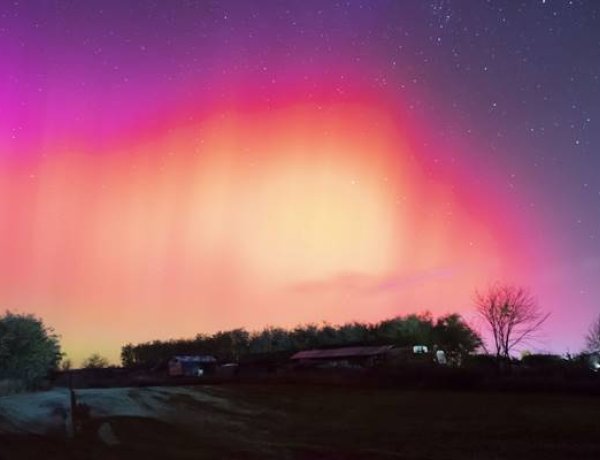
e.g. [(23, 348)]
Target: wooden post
[(73, 400)]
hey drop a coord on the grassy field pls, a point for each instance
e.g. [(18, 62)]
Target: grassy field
[(326, 422)]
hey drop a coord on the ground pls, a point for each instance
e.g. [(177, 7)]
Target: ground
[(311, 422)]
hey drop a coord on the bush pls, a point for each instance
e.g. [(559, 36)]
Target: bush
[(95, 361), (11, 386), (483, 362), (28, 349), (543, 361)]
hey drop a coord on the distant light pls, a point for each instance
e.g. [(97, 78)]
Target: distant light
[(417, 349), (595, 362)]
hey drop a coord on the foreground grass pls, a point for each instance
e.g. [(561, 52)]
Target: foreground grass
[(315, 422), (369, 423)]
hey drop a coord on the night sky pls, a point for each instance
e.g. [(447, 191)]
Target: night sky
[(170, 168)]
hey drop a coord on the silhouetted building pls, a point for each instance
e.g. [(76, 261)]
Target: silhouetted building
[(343, 357), (191, 365)]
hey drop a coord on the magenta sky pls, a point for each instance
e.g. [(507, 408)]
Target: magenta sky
[(174, 168)]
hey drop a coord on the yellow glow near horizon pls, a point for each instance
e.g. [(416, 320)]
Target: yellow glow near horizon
[(243, 219)]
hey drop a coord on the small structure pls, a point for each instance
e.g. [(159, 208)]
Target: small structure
[(419, 349), (191, 365), (440, 357), (343, 357)]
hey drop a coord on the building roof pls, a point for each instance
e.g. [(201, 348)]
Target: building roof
[(194, 358), (345, 352)]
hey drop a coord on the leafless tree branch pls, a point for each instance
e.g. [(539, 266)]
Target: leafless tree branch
[(592, 339), (512, 315)]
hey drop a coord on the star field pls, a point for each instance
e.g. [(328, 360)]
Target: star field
[(465, 133)]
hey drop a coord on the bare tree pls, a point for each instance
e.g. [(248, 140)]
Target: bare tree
[(592, 339), (95, 361), (512, 315), (66, 364)]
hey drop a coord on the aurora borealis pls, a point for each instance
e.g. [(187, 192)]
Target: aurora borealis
[(170, 168)]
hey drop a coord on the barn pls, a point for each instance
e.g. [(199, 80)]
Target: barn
[(191, 365), (343, 357)]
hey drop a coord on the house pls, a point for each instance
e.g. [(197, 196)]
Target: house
[(191, 365), (342, 357)]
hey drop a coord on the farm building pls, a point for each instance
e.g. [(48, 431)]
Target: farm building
[(191, 365), (343, 357), (367, 356)]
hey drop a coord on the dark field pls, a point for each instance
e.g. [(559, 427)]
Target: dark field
[(325, 422)]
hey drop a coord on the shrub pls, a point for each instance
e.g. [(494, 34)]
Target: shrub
[(28, 349)]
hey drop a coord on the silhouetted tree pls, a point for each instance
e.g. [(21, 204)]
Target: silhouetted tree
[(511, 314), (95, 361), (28, 348), (453, 335), (66, 364), (449, 332), (128, 355), (592, 339), (270, 340), (354, 333), (304, 337), (404, 331)]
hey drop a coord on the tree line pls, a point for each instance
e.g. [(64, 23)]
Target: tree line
[(510, 313), (450, 333), (511, 316)]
